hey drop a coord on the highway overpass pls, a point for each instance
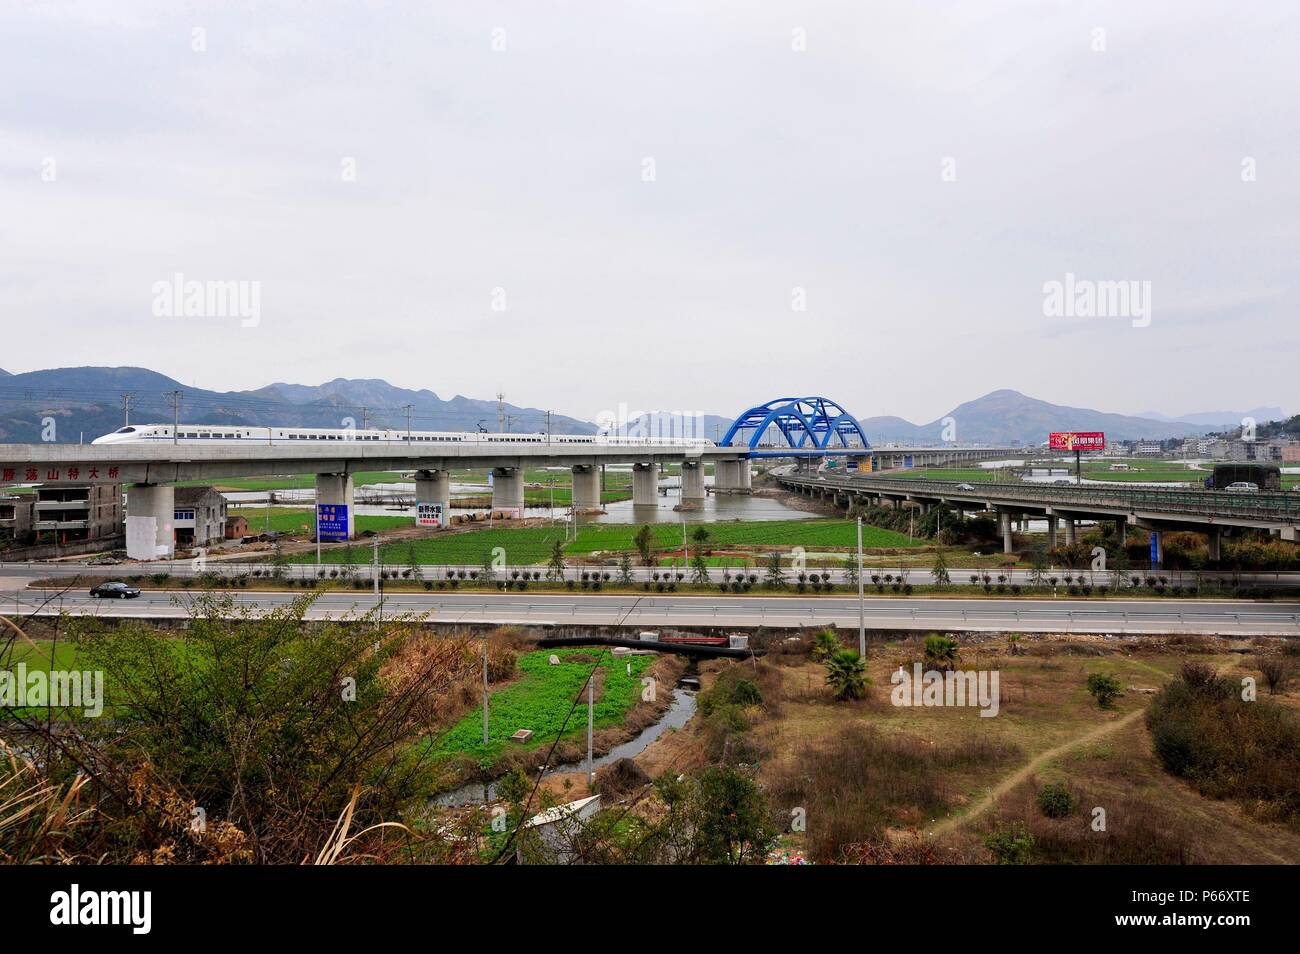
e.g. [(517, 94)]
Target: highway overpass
[(1152, 508)]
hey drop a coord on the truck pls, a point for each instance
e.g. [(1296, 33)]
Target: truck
[(1263, 476)]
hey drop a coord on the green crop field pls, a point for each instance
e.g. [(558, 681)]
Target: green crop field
[(299, 520), (293, 482), (541, 700), (531, 545)]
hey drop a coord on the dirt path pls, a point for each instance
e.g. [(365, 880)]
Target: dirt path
[(1036, 763)]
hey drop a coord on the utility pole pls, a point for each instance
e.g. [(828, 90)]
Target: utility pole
[(686, 550), (501, 412), (365, 417), (175, 398), (408, 408), (485, 688), (374, 565), (548, 427), (591, 709), (126, 410), (862, 606)]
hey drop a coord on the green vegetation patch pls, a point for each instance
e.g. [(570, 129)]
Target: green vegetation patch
[(542, 699)]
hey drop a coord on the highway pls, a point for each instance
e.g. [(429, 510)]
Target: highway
[(650, 611)]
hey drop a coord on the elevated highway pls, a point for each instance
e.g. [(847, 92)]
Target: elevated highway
[(1152, 508)]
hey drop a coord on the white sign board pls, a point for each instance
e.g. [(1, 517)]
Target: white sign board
[(429, 515)]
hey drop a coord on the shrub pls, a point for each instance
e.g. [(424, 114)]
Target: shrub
[(1205, 732), (1011, 845), (1104, 688), (1055, 800), (1276, 672)]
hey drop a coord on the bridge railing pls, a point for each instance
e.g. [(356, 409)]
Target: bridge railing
[(1268, 505)]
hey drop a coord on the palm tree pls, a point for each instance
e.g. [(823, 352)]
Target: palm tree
[(825, 645), (846, 674), (940, 652)]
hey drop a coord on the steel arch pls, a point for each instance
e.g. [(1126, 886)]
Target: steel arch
[(809, 424)]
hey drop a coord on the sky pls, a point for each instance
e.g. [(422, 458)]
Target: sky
[(690, 206)]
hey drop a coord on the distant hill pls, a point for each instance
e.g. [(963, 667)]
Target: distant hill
[(1009, 417), (87, 402), (1220, 420)]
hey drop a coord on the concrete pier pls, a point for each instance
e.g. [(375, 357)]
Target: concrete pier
[(744, 475), (692, 480), (586, 487), (508, 490), (1004, 524), (338, 489), (434, 486), (726, 475), (1216, 543), (1051, 532), (150, 510), (645, 485)]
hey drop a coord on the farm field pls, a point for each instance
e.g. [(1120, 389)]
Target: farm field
[(299, 520), (530, 545), (541, 699), (289, 482)]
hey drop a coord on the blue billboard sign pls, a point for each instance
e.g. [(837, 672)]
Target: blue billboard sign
[(332, 522)]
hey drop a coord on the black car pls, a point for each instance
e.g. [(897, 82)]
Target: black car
[(116, 590)]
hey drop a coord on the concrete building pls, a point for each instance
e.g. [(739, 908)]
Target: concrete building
[(1148, 449), (1291, 453), (16, 518), (199, 517), (236, 528), (66, 513)]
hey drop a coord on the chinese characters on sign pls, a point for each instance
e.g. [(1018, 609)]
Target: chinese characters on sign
[(332, 522), (1077, 440), (50, 475), (428, 515)]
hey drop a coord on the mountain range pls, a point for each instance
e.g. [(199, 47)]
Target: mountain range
[(87, 402)]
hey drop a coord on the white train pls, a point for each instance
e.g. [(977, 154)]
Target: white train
[(238, 434)]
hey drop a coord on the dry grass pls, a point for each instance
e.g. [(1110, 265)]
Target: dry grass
[(874, 778)]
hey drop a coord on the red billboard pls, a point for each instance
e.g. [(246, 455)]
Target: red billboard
[(1077, 440)]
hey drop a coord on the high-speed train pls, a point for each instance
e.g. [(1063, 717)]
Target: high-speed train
[(239, 434)]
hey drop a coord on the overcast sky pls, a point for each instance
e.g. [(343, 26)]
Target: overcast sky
[(794, 146)]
